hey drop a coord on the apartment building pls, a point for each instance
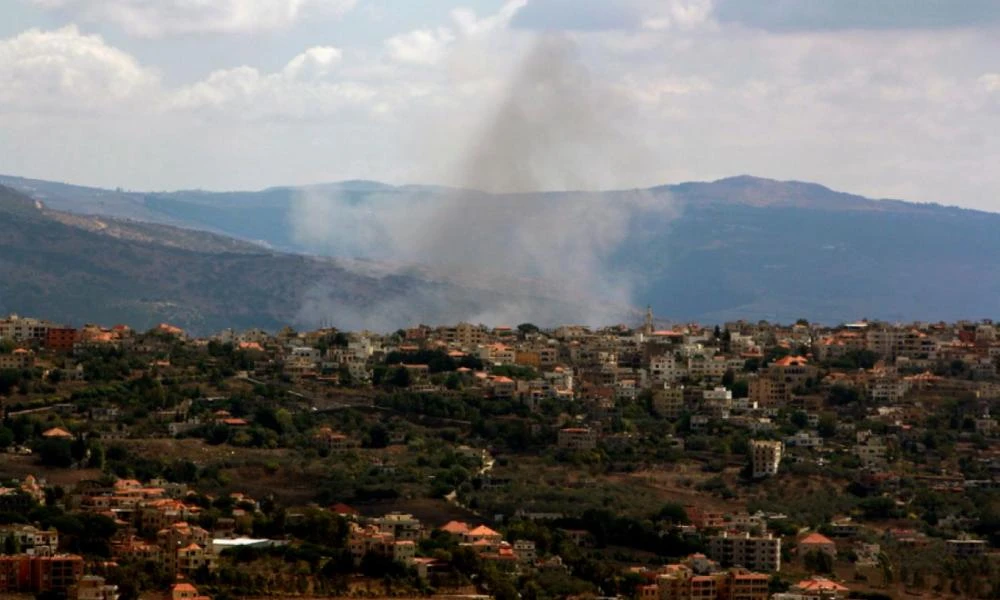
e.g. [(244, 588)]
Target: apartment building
[(680, 582), (757, 553), (669, 401), (765, 457), (26, 573)]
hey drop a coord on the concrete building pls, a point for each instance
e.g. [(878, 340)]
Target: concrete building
[(757, 553), (765, 457), (577, 438)]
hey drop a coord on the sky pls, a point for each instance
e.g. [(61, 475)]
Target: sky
[(895, 98)]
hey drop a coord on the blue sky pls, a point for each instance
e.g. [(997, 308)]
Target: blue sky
[(895, 98)]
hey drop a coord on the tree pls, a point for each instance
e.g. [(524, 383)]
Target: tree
[(97, 455), (674, 513), (827, 426), (527, 328), (55, 453), (800, 419), (400, 377)]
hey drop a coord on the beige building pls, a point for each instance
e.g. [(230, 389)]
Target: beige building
[(765, 457), (757, 553)]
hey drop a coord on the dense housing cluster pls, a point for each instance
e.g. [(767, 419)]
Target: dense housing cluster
[(738, 461)]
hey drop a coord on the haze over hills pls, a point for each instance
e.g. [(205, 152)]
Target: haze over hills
[(78, 269), (740, 247)]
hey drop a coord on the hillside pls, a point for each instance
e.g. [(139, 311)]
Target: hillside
[(72, 271), (741, 247)]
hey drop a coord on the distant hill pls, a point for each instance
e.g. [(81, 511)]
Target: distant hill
[(77, 269), (741, 247)]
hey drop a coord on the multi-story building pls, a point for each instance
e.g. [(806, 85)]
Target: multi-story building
[(60, 339), (23, 329), (870, 449), (30, 538), (669, 402), (757, 553), (577, 438), (39, 573), (765, 457), (400, 526), (666, 368), (680, 582), (19, 359)]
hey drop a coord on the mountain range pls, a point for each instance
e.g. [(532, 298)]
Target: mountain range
[(741, 247)]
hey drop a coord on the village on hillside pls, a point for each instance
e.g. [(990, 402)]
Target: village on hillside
[(738, 461)]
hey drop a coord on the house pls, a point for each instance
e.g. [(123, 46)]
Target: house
[(92, 587), (182, 590), (967, 548), (330, 440), (456, 528), (17, 360), (820, 587), (577, 438), (817, 542), (525, 551), (57, 433)]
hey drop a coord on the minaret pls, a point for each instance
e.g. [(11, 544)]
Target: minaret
[(647, 328)]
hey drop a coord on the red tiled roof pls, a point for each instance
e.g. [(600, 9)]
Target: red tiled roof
[(815, 539)]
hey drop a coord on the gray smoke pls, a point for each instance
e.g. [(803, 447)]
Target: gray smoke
[(547, 254)]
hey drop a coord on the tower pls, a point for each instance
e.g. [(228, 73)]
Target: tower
[(647, 327)]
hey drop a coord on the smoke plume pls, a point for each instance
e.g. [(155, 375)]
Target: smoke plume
[(517, 252)]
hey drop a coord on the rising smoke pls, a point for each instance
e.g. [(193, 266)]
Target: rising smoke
[(549, 253)]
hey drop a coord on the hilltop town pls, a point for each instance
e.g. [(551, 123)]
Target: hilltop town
[(738, 461)]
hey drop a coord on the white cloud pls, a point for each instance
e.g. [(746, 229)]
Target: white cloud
[(678, 14), (66, 71), (315, 62), (299, 91), (422, 47), (159, 18), (430, 46), (469, 24), (990, 82)]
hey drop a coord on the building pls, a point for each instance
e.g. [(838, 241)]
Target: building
[(765, 458), (93, 587), (870, 449), (30, 539), (669, 402), (23, 329), (60, 339), (183, 590), (330, 440), (19, 360), (964, 548), (577, 438), (400, 526), (757, 553), (817, 542), (26, 573), (681, 582), (819, 587)]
